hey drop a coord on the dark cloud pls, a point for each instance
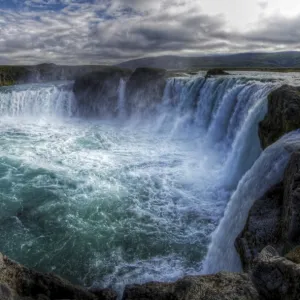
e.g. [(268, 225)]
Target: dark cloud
[(110, 31)]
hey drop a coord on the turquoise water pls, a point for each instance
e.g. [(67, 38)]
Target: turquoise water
[(95, 201)]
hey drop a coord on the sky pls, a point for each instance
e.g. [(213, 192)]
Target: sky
[(111, 31)]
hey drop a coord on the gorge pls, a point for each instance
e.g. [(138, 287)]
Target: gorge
[(121, 178)]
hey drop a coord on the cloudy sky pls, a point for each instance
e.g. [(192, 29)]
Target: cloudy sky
[(111, 31)]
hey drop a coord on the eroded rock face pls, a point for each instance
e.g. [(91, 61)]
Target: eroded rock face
[(274, 219), (276, 277), (283, 115), (97, 92), (291, 204), (18, 282), (144, 89), (263, 226), (222, 286)]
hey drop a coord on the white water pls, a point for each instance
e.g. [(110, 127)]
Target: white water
[(116, 202)]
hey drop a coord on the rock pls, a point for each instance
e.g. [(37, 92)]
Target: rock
[(274, 219), (145, 88), (263, 226), (222, 286), (6, 293), (104, 293), (215, 72), (291, 203), (97, 92), (10, 75), (17, 281), (276, 277), (294, 255), (283, 115)]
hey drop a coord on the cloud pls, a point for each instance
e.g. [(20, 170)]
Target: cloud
[(263, 4), (111, 31)]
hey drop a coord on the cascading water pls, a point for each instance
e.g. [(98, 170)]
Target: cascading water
[(37, 100), (135, 198)]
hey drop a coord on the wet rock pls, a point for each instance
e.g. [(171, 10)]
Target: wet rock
[(274, 219), (263, 226), (283, 115), (215, 72), (294, 255), (276, 277), (145, 88), (222, 286), (97, 92), (18, 282), (291, 204)]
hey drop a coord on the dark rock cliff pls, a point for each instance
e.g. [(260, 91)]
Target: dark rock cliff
[(283, 115), (97, 92), (145, 87), (274, 219)]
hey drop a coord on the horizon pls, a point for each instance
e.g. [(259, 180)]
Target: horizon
[(159, 56), (92, 32)]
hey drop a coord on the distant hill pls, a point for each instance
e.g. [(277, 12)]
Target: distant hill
[(275, 60)]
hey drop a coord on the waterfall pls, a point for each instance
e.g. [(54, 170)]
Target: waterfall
[(121, 99), (37, 100), (266, 172)]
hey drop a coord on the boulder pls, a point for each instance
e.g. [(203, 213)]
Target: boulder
[(97, 92), (215, 72), (276, 277), (222, 286), (274, 219), (145, 88), (283, 115), (17, 282)]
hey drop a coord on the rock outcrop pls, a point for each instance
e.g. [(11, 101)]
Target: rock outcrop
[(222, 286), (283, 115), (276, 277), (145, 88), (215, 72), (274, 219), (97, 92), (10, 75), (20, 283)]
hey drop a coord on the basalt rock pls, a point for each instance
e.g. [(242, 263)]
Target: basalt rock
[(97, 92), (17, 282), (145, 88), (274, 219), (276, 277), (222, 286), (215, 72), (283, 115)]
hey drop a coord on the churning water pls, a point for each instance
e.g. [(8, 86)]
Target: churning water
[(132, 199)]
